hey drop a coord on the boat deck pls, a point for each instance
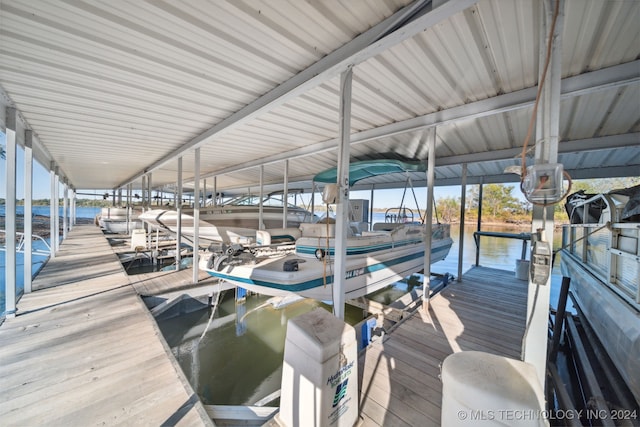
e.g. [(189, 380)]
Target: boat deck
[(85, 350), (400, 384)]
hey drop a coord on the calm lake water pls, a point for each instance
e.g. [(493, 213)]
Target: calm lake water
[(238, 361)]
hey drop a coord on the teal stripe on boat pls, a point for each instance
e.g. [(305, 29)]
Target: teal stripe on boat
[(310, 284), (357, 250)]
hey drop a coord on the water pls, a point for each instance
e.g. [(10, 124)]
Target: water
[(38, 261), (81, 212), (239, 360)]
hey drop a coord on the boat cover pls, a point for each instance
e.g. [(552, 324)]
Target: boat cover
[(370, 168), (632, 208), (575, 206)]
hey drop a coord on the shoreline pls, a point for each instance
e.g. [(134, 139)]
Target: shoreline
[(41, 225)]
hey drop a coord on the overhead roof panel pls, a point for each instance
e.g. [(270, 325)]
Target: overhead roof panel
[(507, 35), (599, 34), (139, 83), (129, 70), (607, 112)]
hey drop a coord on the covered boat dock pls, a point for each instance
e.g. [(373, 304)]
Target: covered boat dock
[(203, 98)]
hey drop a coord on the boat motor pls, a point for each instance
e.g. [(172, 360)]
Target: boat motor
[(223, 254)]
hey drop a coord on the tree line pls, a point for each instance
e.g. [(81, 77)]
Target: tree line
[(90, 203), (500, 204)]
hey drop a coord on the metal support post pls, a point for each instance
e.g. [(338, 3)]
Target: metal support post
[(65, 209), (285, 194), (179, 214), (149, 189), (10, 213), (479, 219), (430, 136), (55, 239), (342, 209), (52, 209), (196, 216), (546, 151), (463, 201), (28, 209), (260, 205)]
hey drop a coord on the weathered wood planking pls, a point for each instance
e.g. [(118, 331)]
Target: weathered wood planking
[(161, 282), (84, 350), (399, 375)]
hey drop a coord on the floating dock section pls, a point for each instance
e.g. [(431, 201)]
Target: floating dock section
[(400, 375), (84, 349)]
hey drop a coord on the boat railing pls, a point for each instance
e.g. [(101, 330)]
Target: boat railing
[(610, 252), (21, 241), (398, 215), (605, 245)]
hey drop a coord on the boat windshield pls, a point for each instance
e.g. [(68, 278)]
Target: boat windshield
[(254, 200)]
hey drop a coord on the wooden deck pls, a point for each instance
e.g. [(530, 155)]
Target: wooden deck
[(400, 384), (84, 350)]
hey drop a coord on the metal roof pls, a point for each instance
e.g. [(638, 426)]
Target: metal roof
[(113, 90)]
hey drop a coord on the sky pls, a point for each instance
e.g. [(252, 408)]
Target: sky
[(41, 185)]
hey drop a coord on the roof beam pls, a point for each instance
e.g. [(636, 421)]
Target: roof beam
[(507, 178), (40, 152), (575, 146), (420, 15), (607, 78)]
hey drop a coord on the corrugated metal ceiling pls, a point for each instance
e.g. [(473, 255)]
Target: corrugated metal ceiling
[(112, 89)]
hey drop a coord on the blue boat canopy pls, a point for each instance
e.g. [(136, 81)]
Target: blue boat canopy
[(370, 168)]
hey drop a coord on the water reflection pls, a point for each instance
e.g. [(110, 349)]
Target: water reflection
[(394, 292), (239, 359)]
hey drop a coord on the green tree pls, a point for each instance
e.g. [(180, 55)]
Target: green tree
[(603, 185), (498, 202), (448, 208)]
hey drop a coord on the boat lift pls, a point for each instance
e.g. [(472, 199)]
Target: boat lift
[(20, 244)]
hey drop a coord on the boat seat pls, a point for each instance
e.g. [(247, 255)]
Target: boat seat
[(329, 230), (273, 236), (318, 230), (386, 226)]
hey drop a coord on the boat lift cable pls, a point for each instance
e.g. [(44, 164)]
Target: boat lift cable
[(213, 313), (413, 191), (409, 183), (404, 192)]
